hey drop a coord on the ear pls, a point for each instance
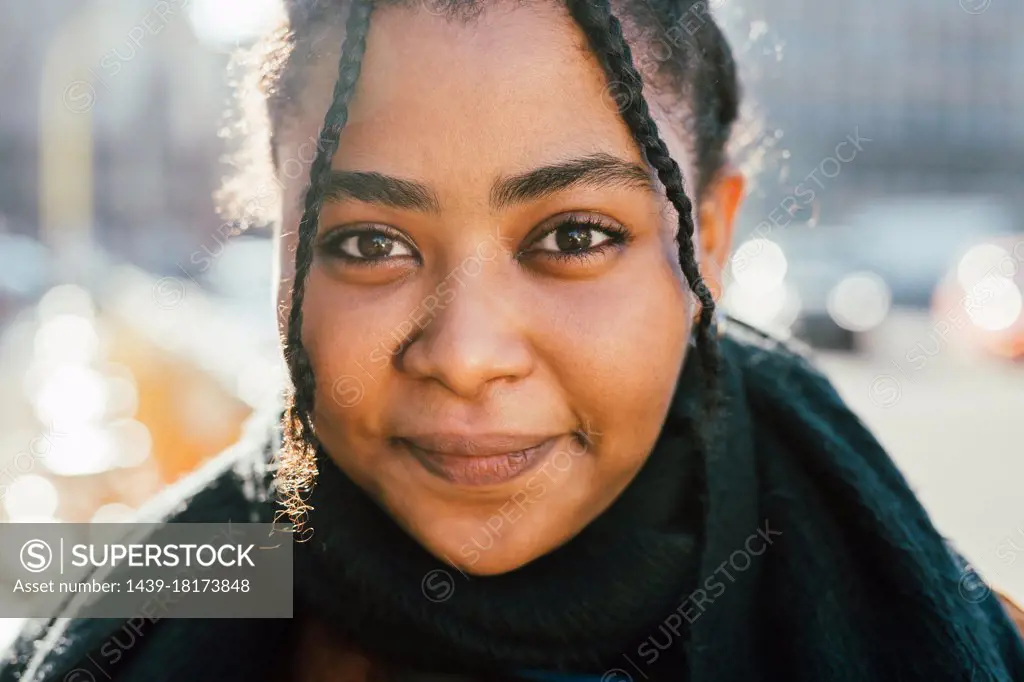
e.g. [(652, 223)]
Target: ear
[(717, 215)]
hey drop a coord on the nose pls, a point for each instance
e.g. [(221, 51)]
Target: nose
[(471, 342)]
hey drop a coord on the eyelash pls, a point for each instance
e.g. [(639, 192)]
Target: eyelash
[(617, 236), (331, 244)]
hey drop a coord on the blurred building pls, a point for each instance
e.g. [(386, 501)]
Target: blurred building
[(110, 126), (936, 85)]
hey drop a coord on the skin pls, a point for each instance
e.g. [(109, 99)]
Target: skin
[(498, 334)]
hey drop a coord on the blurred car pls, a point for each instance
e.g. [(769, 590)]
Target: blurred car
[(803, 281), (912, 241), (980, 301), (831, 283)]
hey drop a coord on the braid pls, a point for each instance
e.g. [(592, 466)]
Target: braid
[(298, 454), (604, 31)]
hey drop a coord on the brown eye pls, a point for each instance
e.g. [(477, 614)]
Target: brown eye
[(576, 237), (372, 245), (369, 245)]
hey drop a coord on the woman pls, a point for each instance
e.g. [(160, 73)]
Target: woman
[(518, 444)]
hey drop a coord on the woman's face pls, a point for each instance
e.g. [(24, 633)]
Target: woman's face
[(495, 314)]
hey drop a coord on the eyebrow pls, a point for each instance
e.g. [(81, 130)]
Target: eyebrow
[(596, 170), (377, 188)]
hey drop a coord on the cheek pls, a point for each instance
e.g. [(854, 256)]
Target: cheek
[(620, 344), (349, 338), (347, 335)]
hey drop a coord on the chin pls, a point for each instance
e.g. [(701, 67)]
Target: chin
[(492, 562), (482, 555)]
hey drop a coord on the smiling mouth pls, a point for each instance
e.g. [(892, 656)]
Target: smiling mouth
[(477, 463)]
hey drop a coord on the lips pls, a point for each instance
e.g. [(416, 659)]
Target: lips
[(478, 460)]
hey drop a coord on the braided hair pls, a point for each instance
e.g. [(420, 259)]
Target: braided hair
[(298, 462), (704, 57)]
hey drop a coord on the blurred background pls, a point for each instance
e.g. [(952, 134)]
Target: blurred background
[(884, 227)]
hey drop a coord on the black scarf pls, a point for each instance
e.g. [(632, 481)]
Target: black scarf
[(791, 550)]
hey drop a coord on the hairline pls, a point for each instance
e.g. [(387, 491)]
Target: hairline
[(281, 110)]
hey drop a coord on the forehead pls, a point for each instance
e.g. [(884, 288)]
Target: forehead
[(457, 103)]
